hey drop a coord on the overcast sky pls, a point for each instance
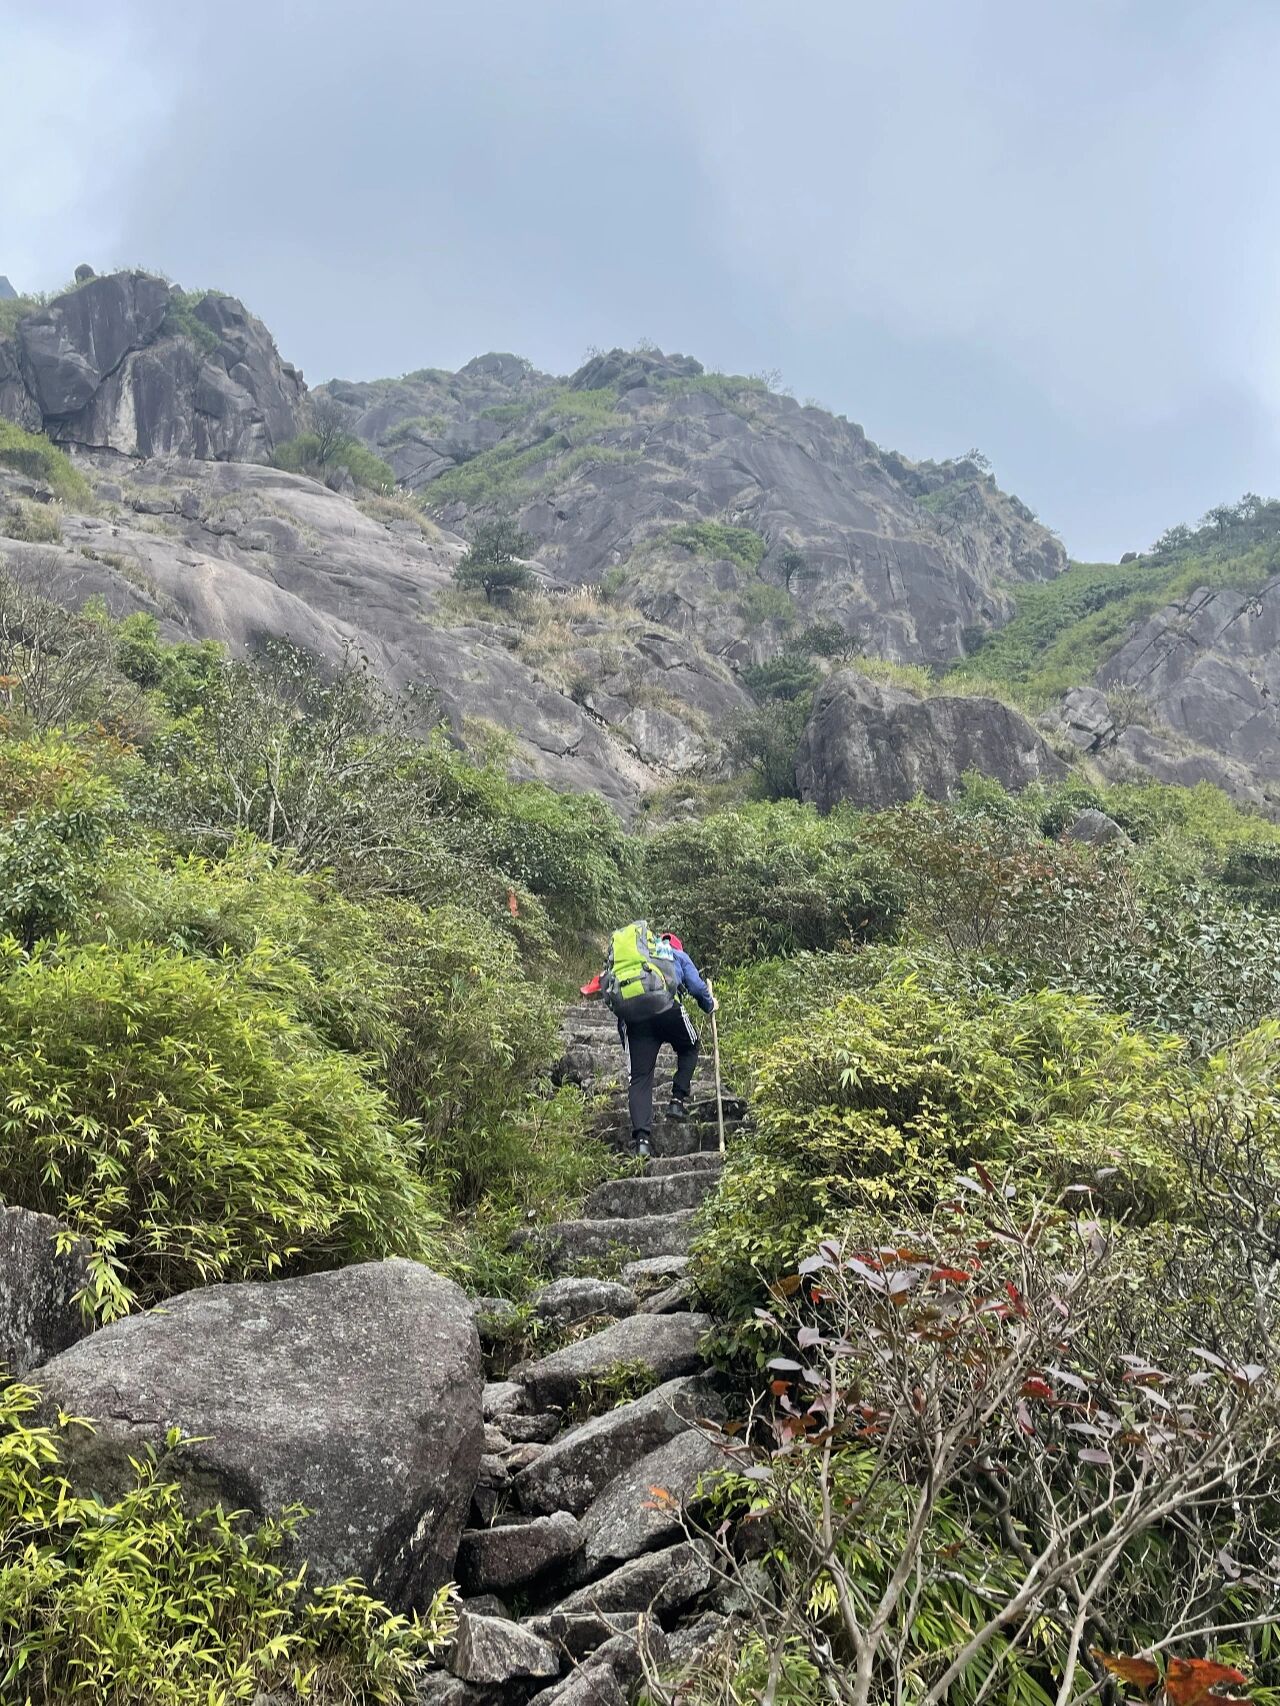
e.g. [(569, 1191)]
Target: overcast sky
[(1050, 230)]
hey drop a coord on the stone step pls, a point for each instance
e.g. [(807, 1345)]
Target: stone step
[(570, 1241), (650, 1194), (669, 1345), (708, 1160)]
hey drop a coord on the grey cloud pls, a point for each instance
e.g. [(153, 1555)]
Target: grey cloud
[(1050, 231)]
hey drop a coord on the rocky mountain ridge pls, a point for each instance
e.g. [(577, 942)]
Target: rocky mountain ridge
[(687, 526), (607, 469)]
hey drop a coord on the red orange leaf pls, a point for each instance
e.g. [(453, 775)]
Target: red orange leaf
[(1140, 1672), (1188, 1682)]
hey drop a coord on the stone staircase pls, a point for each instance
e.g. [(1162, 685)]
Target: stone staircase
[(577, 1578)]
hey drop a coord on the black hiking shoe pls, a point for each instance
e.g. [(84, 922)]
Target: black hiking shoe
[(677, 1109), (640, 1147)]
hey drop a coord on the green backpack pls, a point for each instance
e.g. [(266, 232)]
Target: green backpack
[(640, 978)]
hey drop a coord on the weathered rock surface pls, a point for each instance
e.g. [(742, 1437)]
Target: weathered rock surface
[(39, 1314), (501, 1398), (650, 1194), (629, 1518), (572, 1241), (1084, 717), (876, 745), (577, 1467), (576, 1297), (512, 1554), (667, 1344), (661, 1582), (1094, 828), (487, 1649), (112, 366), (238, 553), (1209, 665), (438, 1689), (907, 555), (356, 1394)]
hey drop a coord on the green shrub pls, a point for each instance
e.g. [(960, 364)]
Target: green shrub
[(32, 454), (191, 1128), (762, 601), (59, 806), (307, 454), (786, 675), (740, 545), (182, 321), (32, 523), (884, 1097), (426, 426), (768, 879), (145, 1602), (765, 743)]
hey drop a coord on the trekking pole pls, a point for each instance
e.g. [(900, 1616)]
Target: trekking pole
[(715, 1050)]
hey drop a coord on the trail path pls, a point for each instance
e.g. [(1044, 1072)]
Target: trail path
[(574, 1563)]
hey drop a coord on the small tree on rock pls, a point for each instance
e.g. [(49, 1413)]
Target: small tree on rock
[(793, 565), (491, 565)]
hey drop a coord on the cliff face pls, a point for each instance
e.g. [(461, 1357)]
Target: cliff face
[(685, 524), (130, 364), (608, 468)]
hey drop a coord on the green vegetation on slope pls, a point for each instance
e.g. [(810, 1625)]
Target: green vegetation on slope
[(1066, 628), (32, 454)]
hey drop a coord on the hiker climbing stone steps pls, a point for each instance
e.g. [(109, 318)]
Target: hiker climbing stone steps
[(643, 979)]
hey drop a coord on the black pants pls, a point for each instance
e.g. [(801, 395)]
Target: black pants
[(641, 1041)]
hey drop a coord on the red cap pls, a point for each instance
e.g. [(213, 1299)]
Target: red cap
[(675, 941)]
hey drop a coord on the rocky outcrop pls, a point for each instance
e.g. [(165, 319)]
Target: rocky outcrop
[(1209, 668), (7, 292), (128, 363), (40, 1313), (875, 745), (907, 557), (355, 1394), (238, 553)]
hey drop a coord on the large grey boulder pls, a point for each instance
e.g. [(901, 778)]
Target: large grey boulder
[(660, 1582), (875, 745), (1094, 829), (571, 1241), (668, 1345), (577, 1467), (1084, 718), (576, 1297), (355, 1394), (39, 1312), (124, 364), (491, 1650), (645, 1507), (513, 1554), (1209, 667), (7, 292)]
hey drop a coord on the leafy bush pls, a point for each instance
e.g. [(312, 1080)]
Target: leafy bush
[(787, 675), (32, 523), (145, 1602), (928, 1501), (765, 743), (182, 321), (58, 807), (740, 545), (32, 454), (308, 454), (191, 1128), (768, 879), (884, 1097)]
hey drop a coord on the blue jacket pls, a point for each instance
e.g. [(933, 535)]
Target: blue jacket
[(691, 979)]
